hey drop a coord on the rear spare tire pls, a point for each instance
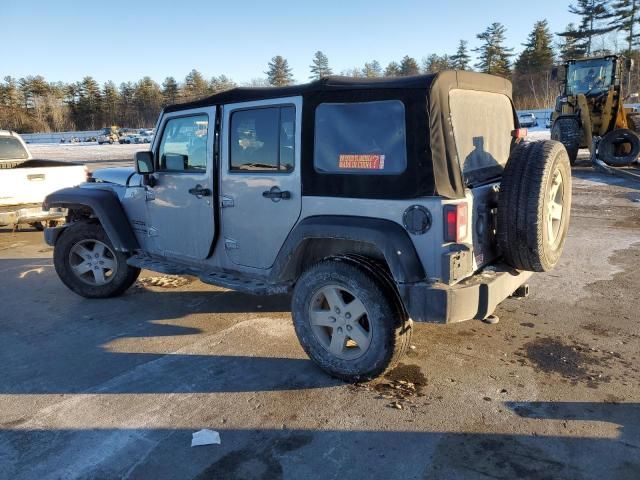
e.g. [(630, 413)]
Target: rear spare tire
[(619, 148), (567, 131), (534, 206)]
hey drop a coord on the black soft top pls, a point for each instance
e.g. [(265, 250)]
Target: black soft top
[(433, 160)]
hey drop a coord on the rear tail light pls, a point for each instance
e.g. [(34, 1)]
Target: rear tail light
[(456, 220), (519, 133)]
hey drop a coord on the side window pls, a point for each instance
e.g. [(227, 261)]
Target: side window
[(360, 138), (263, 140), (183, 147)]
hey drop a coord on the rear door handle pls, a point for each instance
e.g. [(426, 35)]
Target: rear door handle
[(276, 194), (199, 191)]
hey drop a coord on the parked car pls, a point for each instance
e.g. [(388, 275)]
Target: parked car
[(147, 136), (108, 135), (383, 207), (25, 182), (528, 120), (131, 138)]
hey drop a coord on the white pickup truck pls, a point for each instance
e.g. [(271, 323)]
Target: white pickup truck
[(25, 181)]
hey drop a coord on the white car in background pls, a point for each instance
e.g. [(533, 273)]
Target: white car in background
[(528, 120), (147, 136), (131, 138)]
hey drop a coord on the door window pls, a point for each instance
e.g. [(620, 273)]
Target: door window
[(262, 140), (184, 144)]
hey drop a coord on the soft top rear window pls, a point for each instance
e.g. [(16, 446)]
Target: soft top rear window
[(12, 149), (360, 138), (482, 124)]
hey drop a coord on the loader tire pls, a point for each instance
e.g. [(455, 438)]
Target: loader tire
[(567, 131), (619, 147), (534, 206)]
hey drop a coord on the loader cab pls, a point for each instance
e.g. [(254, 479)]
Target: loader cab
[(592, 77)]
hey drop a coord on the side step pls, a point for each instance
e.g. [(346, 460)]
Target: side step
[(244, 284), (156, 265), (218, 278)]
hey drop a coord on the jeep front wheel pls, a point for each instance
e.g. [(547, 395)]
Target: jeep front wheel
[(347, 321), (87, 263)]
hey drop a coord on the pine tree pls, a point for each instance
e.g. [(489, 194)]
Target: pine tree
[(532, 73), (148, 100), (170, 91), (279, 72), (89, 104), (372, 69), (10, 95), (220, 84), (537, 55), (571, 48), (392, 70), (435, 63), (592, 15), (625, 16), (409, 66), (320, 66), (461, 60), (111, 99), (195, 86), (494, 56)]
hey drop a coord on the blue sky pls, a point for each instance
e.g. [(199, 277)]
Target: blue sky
[(124, 40)]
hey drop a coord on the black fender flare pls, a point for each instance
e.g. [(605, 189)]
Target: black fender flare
[(388, 237), (105, 205)]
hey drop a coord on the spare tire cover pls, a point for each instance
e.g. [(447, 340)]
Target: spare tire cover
[(534, 205)]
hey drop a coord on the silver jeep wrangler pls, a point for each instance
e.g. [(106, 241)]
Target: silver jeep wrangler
[(375, 202)]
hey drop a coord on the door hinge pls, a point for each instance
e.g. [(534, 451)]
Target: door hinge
[(227, 201), (230, 244)]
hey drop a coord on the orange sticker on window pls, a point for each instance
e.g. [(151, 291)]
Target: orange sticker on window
[(361, 162)]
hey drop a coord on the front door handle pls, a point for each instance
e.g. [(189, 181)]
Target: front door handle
[(200, 192), (276, 194)]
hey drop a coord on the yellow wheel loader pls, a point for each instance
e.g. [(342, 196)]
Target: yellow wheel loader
[(590, 111)]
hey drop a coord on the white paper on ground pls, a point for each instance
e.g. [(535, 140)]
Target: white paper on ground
[(205, 437)]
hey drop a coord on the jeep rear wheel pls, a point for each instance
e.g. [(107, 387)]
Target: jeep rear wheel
[(87, 263), (534, 206), (347, 321)]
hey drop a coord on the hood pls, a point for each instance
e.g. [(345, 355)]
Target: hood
[(117, 175)]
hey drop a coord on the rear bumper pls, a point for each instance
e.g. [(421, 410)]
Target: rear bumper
[(474, 298), (29, 214)]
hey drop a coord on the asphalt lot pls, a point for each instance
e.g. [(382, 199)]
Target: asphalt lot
[(115, 388)]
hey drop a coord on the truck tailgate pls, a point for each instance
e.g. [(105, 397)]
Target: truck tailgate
[(28, 185)]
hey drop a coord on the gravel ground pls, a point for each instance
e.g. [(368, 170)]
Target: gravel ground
[(115, 388)]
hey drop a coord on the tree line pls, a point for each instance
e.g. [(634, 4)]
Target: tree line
[(31, 104)]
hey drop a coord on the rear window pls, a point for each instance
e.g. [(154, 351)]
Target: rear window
[(360, 138), (12, 149), (482, 124)]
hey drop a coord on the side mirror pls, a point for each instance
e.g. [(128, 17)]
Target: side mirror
[(144, 162), (630, 64)]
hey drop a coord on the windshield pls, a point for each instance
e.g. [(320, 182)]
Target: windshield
[(593, 76), (12, 149)]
